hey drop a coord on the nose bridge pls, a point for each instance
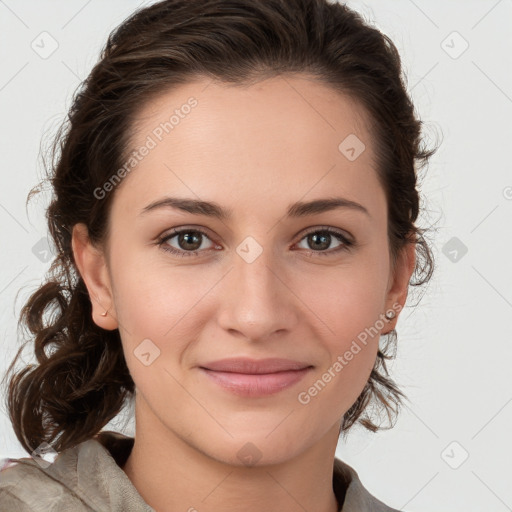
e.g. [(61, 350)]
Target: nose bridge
[(259, 301), (255, 273)]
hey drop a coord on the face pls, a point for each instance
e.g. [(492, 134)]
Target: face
[(263, 281)]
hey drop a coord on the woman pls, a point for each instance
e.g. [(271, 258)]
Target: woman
[(234, 213)]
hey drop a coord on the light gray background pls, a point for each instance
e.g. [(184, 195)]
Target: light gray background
[(454, 354)]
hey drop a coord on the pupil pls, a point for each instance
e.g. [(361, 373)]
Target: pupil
[(186, 237), (325, 237)]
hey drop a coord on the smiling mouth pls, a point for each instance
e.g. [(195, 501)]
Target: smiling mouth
[(256, 384)]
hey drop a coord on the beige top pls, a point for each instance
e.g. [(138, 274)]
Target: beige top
[(89, 478)]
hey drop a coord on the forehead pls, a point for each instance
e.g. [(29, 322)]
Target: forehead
[(216, 140), (285, 107)]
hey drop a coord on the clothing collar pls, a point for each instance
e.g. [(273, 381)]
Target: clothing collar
[(92, 473), (348, 489)]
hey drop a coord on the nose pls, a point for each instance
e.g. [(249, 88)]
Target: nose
[(258, 300)]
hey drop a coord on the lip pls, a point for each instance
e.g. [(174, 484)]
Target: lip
[(255, 378), (254, 366)]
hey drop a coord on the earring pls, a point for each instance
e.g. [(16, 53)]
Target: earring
[(104, 314), (390, 314)]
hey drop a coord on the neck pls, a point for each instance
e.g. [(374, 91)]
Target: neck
[(170, 473)]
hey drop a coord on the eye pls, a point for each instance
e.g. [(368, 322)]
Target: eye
[(322, 238), (189, 242)]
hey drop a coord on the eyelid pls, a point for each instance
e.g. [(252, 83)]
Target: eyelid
[(347, 241), (205, 231), (330, 229), (176, 231), (169, 234)]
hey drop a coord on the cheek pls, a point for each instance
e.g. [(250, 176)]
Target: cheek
[(151, 291), (154, 304), (351, 341), (349, 305), (347, 299), (161, 302), (349, 332)]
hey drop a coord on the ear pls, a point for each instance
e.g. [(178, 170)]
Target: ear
[(398, 284), (91, 264)]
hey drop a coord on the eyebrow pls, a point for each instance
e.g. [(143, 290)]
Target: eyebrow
[(212, 209)]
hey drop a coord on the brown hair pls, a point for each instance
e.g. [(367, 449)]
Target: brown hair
[(81, 380)]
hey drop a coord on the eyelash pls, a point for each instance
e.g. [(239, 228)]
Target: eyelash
[(346, 243)]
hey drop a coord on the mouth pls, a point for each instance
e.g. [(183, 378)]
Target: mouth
[(246, 365), (248, 377)]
